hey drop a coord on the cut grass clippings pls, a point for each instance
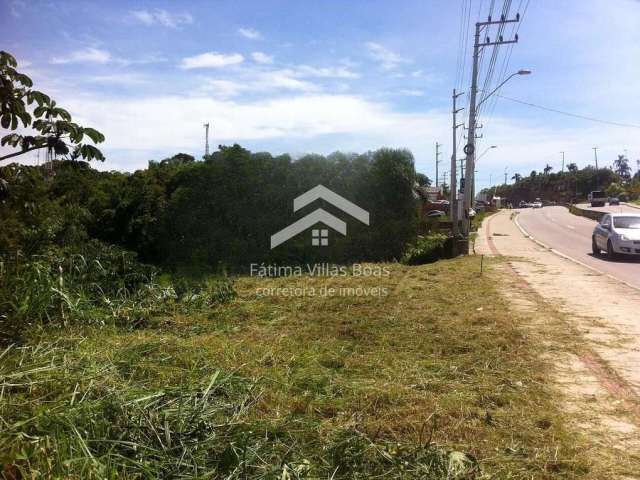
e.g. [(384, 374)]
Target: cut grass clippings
[(434, 380)]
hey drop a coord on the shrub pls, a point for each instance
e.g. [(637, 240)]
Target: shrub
[(100, 284), (428, 249)]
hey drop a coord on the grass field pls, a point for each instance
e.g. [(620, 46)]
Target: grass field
[(435, 380)]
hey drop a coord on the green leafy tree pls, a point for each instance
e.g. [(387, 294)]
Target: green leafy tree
[(22, 106), (622, 168), (572, 167)]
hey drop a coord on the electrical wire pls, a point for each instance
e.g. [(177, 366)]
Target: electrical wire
[(569, 114)]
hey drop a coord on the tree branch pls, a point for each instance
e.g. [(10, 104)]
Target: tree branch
[(15, 154)]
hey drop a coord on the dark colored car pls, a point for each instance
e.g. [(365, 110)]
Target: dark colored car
[(614, 201)]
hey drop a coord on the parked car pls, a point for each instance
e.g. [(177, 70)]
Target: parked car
[(597, 198), (536, 204), (614, 201), (617, 233), (436, 213), (523, 204)]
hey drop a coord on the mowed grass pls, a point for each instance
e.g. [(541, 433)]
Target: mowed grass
[(434, 380)]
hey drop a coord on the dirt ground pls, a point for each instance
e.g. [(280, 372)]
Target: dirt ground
[(591, 325)]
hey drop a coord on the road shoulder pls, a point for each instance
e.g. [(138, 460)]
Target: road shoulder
[(587, 321)]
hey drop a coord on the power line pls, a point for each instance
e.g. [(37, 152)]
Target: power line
[(569, 114)]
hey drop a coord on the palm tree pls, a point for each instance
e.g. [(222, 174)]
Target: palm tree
[(572, 167), (516, 178), (547, 169)]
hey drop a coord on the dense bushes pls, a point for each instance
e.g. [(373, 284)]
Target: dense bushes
[(212, 214), (95, 284), (428, 249)]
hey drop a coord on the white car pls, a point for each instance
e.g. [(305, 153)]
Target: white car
[(536, 205), (617, 233)]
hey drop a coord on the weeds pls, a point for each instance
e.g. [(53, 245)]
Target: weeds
[(102, 285)]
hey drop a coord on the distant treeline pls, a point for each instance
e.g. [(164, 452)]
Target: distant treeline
[(568, 186), (211, 214)]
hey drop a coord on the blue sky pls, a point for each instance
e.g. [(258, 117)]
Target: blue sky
[(319, 76)]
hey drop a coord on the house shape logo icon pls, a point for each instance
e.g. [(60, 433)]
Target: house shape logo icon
[(320, 237)]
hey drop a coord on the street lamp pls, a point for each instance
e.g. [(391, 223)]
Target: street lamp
[(519, 72), (488, 148)]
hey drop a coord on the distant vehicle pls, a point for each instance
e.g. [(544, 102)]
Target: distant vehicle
[(436, 213), (472, 213), (597, 198), (523, 204), (614, 201), (536, 204), (617, 233)]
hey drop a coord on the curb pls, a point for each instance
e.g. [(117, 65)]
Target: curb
[(567, 257)]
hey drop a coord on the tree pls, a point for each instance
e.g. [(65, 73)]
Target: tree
[(622, 168), (572, 167), (52, 124), (516, 178), (547, 169), (423, 180)]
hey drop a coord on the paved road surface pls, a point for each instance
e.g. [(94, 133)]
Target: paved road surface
[(615, 209), (571, 235)]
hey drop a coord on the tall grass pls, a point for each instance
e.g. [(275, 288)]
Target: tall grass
[(101, 284), (96, 424)]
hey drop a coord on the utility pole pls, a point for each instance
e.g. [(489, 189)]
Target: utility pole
[(437, 161), (453, 183), (505, 175), (473, 113), (562, 162), (595, 154), (206, 139)]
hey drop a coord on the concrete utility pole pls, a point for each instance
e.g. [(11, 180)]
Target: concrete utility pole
[(453, 182), (505, 175), (473, 112), (437, 161), (562, 162), (595, 154), (206, 139)]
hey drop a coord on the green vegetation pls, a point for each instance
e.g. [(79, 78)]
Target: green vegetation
[(415, 384), (572, 185), (52, 124), (210, 215)]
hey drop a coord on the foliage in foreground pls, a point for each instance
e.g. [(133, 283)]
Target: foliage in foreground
[(416, 384), (98, 284), (198, 429), (429, 248)]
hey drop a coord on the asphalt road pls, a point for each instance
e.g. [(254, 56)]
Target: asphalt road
[(571, 235)]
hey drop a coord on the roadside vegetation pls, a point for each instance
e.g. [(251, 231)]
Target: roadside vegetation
[(415, 384), (572, 185), (132, 346)]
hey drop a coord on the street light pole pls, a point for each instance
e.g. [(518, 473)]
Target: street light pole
[(453, 183), (473, 111)]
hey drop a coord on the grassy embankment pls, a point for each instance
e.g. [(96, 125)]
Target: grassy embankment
[(302, 387)]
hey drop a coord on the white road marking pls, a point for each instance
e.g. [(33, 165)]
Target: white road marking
[(571, 227)]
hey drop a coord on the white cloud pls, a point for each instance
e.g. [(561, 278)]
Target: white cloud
[(123, 79), (387, 59), (17, 8), (262, 57), (211, 60), (285, 79), (86, 55), (250, 33), (411, 92), (161, 17), (327, 72)]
